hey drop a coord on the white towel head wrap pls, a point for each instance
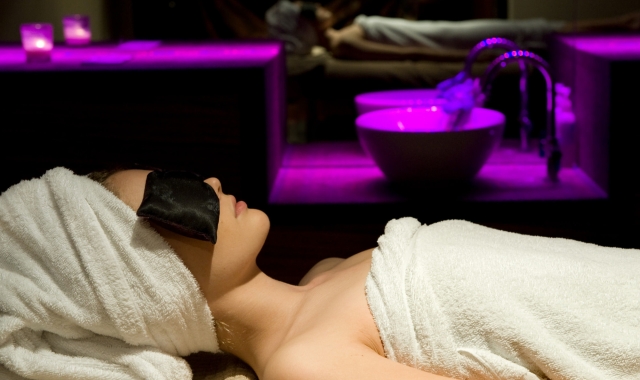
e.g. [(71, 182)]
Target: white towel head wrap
[(88, 290)]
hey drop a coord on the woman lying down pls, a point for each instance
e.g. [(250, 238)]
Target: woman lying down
[(116, 280)]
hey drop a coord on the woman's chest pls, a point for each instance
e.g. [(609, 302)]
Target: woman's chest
[(337, 313)]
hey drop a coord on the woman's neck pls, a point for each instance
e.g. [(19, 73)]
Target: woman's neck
[(255, 318)]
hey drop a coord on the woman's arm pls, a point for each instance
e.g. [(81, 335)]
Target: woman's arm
[(350, 43)]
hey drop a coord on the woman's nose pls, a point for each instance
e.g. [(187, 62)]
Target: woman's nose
[(215, 184)]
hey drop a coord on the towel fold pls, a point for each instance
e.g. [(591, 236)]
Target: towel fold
[(466, 301), (89, 291)]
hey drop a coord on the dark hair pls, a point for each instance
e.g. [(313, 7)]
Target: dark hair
[(101, 176)]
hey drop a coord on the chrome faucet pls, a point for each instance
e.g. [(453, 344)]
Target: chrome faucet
[(503, 43), (551, 147), (461, 77)]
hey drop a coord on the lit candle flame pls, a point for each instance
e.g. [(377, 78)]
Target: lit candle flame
[(40, 44), (79, 32)]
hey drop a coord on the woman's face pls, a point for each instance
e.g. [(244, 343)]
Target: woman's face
[(241, 235), (241, 230)]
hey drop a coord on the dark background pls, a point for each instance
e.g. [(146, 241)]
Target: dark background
[(300, 236)]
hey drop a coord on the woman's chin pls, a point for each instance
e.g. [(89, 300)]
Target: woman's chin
[(259, 221)]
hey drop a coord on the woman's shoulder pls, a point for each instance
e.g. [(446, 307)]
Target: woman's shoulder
[(327, 265)]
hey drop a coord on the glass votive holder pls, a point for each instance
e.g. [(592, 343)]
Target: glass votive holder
[(76, 29), (37, 41)]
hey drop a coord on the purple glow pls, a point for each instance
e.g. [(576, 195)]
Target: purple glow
[(77, 30), (508, 175), (37, 41), (331, 185), (139, 45), (610, 46), (217, 53), (144, 55), (425, 120), (373, 101)]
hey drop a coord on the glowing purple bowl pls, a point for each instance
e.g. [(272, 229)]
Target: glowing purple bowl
[(373, 101), (417, 144)]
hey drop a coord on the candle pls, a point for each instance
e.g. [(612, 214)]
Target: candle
[(76, 29), (37, 41)]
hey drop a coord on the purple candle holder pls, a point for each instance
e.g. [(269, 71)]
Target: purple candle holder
[(77, 30), (37, 41)]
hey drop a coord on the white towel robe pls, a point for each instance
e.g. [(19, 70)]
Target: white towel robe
[(470, 302)]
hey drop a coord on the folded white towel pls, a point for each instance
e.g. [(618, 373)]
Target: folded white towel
[(466, 301), (89, 291)]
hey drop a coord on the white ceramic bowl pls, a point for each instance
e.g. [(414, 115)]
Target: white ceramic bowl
[(416, 144)]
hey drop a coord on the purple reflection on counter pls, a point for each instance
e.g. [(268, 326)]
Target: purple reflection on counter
[(330, 173), (336, 154), (145, 53), (139, 45), (610, 46)]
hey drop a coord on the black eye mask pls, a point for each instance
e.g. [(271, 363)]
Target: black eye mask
[(181, 202)]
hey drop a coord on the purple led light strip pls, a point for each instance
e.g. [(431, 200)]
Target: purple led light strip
[(248, 53), (613, 45)]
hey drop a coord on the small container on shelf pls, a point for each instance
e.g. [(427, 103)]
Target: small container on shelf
[(37, 41), (77, 30)]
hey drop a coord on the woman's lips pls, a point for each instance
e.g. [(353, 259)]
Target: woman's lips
[(240, 207)]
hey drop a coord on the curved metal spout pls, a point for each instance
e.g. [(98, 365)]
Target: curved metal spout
[(503, 43), (489, 43), (552, 150)]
